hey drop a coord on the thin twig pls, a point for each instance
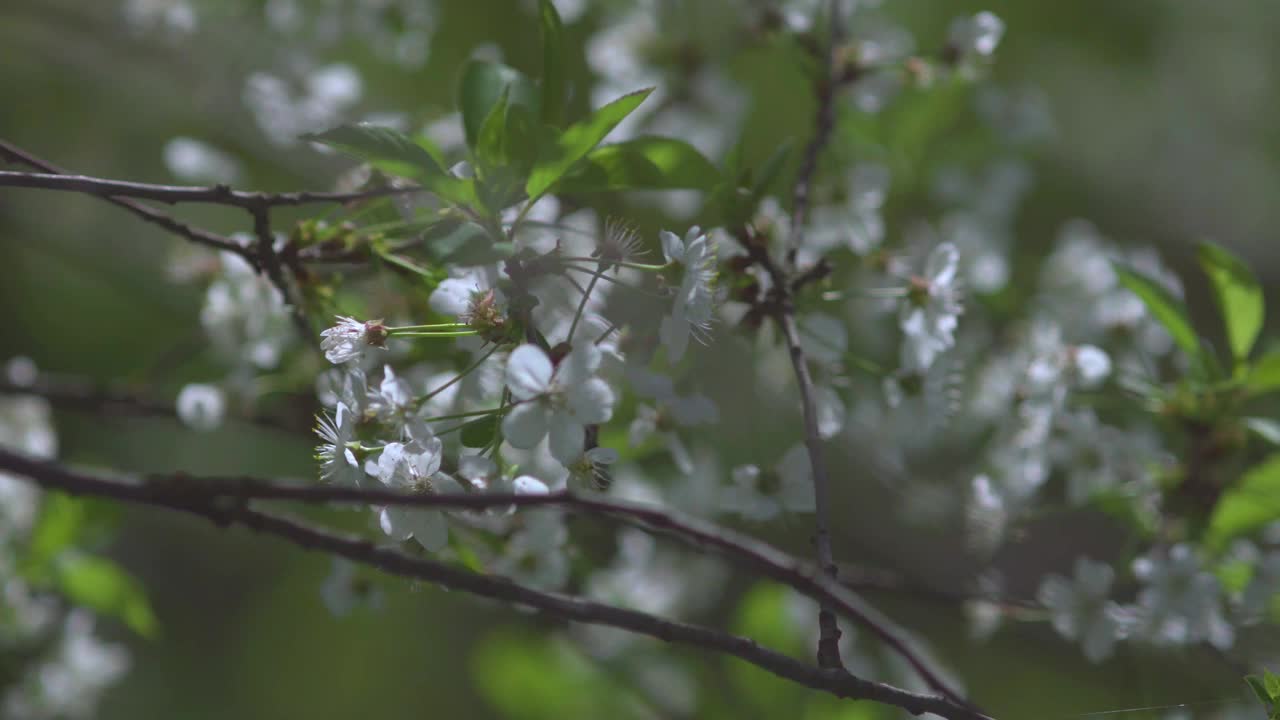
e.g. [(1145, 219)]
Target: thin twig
[(80, 394), (836, 681), (824, 123), (270, 264), (174, 194), (761, 557), (196, 235)]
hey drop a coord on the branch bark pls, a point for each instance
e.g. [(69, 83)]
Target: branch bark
[(218, 510)]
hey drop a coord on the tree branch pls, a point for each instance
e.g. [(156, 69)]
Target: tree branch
[(824, 122), (217, 510), (80, 394), (183, 490), (196, 235), (174, 194)]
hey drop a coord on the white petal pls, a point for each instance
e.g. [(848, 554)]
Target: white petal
[(525, 425), (529, 372), (430, 529), (580, 364), (592, 402), (453, 295), (942, 264), (529, 485), (830, 410), (566, 439), (674, 334), (672, 246)]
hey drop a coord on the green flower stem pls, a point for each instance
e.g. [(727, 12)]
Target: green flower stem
[(623, 263), (437, 326), (582, 304), (442, 334), (616, 281), (470, 369), (455, 416)]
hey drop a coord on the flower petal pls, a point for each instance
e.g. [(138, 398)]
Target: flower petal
[(525, 425), (529, 372), (592, 402), (566, 439)]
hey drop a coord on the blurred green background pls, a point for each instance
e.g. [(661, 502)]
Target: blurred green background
[(1162, 117)]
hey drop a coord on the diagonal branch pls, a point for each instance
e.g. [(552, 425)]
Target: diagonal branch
[(174, 194), (182, 490), (199, 236), (237, 512)]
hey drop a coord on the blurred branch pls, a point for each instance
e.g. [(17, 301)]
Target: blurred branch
[(196, 235), (80, 394), (226, 510), (824, 124), (175, 194)]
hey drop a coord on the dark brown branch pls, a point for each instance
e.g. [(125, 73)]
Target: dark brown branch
[(82, 395), (174, 194), (761, 557), (196, 235), (270, 264), (237, 512), (258, 205), (824, 123)]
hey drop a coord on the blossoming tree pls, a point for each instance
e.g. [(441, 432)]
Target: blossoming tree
[(494, 354)]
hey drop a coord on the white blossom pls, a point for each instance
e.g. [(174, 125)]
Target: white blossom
[(414, 467), (931, 310), (1082, 609), (694, 300), (338, 463), (351, 340), (558, 402), (201, 406)]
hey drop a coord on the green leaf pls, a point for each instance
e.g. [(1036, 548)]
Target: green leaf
[(393, 152), (1271, 682), (1239, 297), (553, 82), (58, 527), (647, 163), (387, 149), (491, 145), (1251, 504), (1264, 376), (1259, 689), (479, 432), (482, 84), (769, 172), (578, 140), (1265, 428), (1168, 310), (101, 585)]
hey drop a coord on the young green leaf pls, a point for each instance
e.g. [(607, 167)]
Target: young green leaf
[(481, 85), (1251, 504), (578, 140), (553, 81), (479, 432), (1259, 689), (647, 163), (103, 586), (395, 153), (1168, 310), (387, 149), (491, 145), (1264, 376), (1265, 428), (1239, 297)]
